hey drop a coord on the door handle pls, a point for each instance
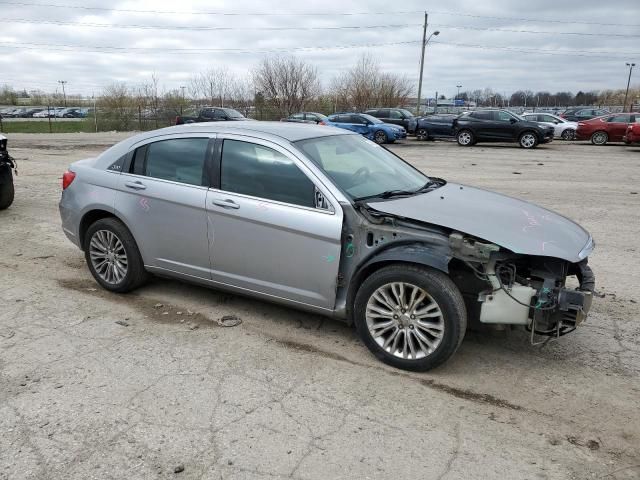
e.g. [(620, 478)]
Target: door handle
[(135, 185), (228, 203)]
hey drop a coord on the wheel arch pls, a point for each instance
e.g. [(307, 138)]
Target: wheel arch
[(92, 216)]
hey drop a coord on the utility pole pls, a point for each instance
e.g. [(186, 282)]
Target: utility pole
[(64, 95), (425, 40), (626, 94), (182, 104), (424, 44)]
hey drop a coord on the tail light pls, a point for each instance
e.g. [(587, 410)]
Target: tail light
[(67, 178), (321, 122)]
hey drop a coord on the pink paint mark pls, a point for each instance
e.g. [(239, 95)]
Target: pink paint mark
[(144, 203)]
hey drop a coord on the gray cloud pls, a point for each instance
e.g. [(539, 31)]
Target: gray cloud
[(41, 61)]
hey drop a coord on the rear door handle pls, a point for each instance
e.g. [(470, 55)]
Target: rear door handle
[(135, 185), (228, 203)]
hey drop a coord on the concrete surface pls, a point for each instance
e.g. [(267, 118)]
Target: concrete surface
[(290, 395)]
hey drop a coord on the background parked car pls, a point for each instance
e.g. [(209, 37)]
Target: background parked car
[(582, 113), (632, 134), (499, 126), (397, 116), (74, 113), (608, 128), (562, 128), (369, 126), (211, 114), (435, 126), (305, 117)]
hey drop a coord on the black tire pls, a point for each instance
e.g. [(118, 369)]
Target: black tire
[(422, 134), (380, 137), (569, 134), (528, 140), (7, 190), (440, 288), (465, 138), (135, 275), (599, 138)]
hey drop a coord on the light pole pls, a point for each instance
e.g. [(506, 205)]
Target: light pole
[(182, 104), (425, 40), (64, 95), (630, 65), (458, 94)]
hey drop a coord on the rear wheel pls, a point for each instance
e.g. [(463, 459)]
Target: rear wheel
[(6, 187), (113, 256), (599, 138), (465, 138), (528, 140), (568, 134), (410, 317), (422, 134), (380, 137)]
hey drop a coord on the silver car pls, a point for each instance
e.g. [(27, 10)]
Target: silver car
[(324, 220)]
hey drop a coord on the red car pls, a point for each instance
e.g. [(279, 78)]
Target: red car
[(608, 128), (633, 132)]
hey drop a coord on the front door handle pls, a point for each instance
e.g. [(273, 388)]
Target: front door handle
[(228, 203), (135, 185)]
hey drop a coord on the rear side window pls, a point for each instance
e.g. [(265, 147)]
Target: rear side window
[(179, 160), (297, 116), (258, 171), (619, 119), (481, 115)]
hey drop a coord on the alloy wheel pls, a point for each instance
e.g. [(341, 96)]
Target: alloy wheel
[(568, 134), (404, 320), (599, 138), (108, 256), (464, 138), (528, 140), (380, 137)]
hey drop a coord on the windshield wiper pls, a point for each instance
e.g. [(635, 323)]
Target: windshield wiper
[(433, 183)]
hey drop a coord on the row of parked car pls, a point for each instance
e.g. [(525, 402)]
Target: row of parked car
[(57, 112)]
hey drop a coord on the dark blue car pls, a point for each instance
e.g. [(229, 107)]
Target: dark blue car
[(435, 126), (369, 126)]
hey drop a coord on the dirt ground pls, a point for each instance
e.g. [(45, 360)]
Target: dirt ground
[(148, 385)]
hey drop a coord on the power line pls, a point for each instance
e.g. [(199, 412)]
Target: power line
[(573, 53), (195, 28), (508, 30), (324, 14)]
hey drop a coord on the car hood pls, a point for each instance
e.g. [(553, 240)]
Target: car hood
[(514, 224)]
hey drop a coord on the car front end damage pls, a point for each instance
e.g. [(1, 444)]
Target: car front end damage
[(548, 296)]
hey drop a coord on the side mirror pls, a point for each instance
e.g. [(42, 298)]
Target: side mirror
[(512, 120), (556, 122)]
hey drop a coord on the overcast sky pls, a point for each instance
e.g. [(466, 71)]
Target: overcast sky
[(42, 44)]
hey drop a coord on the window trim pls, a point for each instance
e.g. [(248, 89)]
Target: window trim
[(208, 159), (217, 169)]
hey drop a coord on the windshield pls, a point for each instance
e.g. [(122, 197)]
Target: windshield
[(407, 113), (370, 118), (361, 168), (231, 113)]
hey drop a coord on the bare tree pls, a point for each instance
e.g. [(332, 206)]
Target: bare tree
[(119, 105), (213, 85), (286, 82)]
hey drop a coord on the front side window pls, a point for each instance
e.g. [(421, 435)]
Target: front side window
[(504, 116), (258, 171), (179, 160), (396, 115), (359, 167), (297, 116)]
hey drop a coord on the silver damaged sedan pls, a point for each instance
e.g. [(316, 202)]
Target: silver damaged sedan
[(324, 220)]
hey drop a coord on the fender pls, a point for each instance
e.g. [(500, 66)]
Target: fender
[(429, 255)]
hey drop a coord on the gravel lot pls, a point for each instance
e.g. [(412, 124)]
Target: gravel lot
[(98, 385)]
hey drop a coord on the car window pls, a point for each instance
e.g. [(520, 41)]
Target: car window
[(218, 113), (357, 119), (251, 169), (600, 112), (207, 113), (297, 116), (179, 159), (383, 113), (374, 113), (481, 115), (406, 113), (618, 119), (395, 114), (503, 116), (547, 118)]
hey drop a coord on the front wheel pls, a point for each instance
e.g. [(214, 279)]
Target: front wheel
[(528, 140), (7, 190), (410, 317), (422, 134), (113, 256), (465, 138), (380, 137), (568, 134), (599, 138)]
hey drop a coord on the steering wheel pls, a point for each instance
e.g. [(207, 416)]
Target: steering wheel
[(363, 172)]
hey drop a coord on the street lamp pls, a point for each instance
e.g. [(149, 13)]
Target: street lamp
[(425, 40), (630, 65), (458, 94), (62, 82)]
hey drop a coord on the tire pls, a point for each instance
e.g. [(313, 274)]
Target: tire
[(568, 134), (528, 140), (444, 331), (380, 137), (7, 190), (102, 232), (599, 138), (465, 138), (422, 134)]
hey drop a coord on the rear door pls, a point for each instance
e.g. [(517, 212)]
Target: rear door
[(617, 126), (161, 197), (274, 228)]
